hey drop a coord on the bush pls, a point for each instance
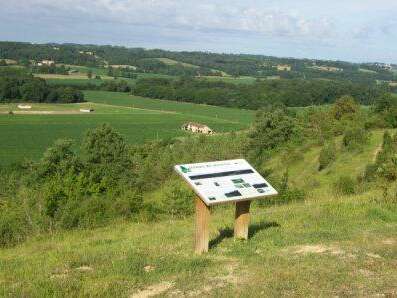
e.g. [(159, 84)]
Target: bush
[(177, 200), (345, 185), (370, 172), (355, 138), (346, 106), (272, 127), (327, 155), (13, 226), (385, 165)]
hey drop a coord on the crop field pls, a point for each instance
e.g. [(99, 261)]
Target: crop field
[(26, 136), (229, 79), (237, 116), (82, 79), (74, 82), (175, 62)]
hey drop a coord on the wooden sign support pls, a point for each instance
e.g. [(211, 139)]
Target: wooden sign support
[(242, 219), (203, 213)]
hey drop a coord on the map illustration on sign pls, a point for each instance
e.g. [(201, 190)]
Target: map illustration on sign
[(225, 181)]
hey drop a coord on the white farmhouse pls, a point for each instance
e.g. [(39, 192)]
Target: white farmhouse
[(86, 110), (197, 128), (46, 62), (24, 107)]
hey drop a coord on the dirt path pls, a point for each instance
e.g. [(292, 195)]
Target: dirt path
[(45, 112)]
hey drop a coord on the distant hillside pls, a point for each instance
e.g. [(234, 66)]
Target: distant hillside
[(194, 63)]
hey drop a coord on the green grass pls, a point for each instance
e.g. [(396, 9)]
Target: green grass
[(325, 246), (338, 247), (175, 62), (123, 99), (101, 71), (138, 119), (74, 82), (228, 79)]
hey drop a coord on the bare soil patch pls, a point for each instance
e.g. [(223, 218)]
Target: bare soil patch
[(318, 249), (153, 290)]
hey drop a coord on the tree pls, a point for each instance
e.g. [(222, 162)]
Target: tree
[(385, 103), (58, 159), (104, 145), (327, 155), (108, 166), (272, 128), (34, 90), (345, 106)]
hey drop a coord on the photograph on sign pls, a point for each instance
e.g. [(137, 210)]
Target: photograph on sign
[(225, 181)]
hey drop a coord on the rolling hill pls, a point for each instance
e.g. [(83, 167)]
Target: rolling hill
[(327, 245)]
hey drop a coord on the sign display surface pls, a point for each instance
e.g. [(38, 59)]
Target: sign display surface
[(225, 181)]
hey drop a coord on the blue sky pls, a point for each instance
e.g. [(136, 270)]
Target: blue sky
[(352, 30)]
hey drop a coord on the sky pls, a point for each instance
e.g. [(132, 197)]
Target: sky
[(350, 30)]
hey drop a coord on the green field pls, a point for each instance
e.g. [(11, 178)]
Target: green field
[(175, 62), (234, 80), (74, 82), (79, 80), (138, 119)]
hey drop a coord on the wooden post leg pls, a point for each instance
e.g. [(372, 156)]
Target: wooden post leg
[(242, 219), (202, 220)]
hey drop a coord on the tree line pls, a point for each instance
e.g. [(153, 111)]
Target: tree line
[(232, 64), (16, 87), (292, 93)]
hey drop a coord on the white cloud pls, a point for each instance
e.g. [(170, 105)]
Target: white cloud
[(216, 15), (310, 28)]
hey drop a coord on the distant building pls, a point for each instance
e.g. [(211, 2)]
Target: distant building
[(24, 107), (46, 62), (197, 128), (87, 53), (327, 68), (86, 110), (283, 67), (122, 66)]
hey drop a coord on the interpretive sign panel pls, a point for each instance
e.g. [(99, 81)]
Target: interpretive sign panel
[(225, 181)]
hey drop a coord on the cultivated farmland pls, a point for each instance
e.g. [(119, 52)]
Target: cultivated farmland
[(139, 119)]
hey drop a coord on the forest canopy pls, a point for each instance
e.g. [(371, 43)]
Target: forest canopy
[(292, 93), (16, 87)]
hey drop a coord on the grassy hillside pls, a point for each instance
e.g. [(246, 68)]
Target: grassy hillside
[(327, 245), (138, 119)]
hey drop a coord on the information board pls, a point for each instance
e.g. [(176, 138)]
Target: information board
[(225, 181)]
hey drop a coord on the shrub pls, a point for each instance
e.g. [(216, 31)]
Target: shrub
[(346, 106), (355, 138), (345, 185), (286, 194), (271, 129), (385, 165), (370, 172), (327, 155), (13, 226), (177, 200)]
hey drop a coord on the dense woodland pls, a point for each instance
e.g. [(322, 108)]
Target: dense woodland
[(262, 93), (20, 86), (205, 63)]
